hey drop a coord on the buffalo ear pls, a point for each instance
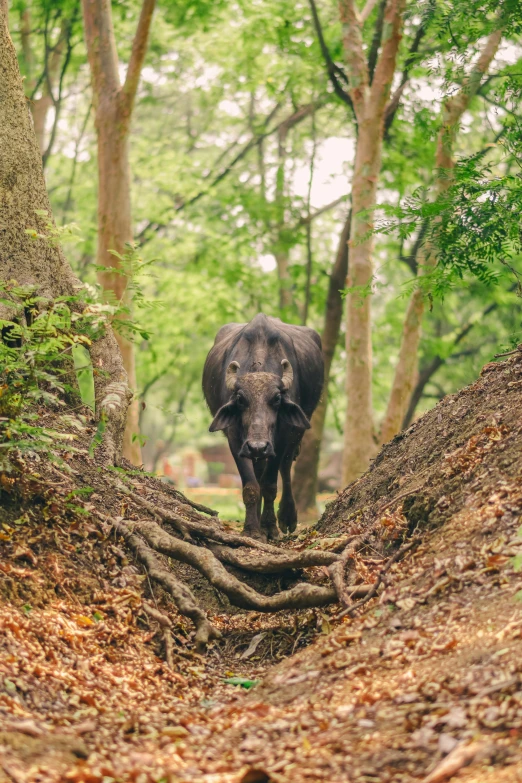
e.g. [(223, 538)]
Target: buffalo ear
[(294, 415), (223, 418)]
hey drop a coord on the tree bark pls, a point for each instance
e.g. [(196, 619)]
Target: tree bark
[(281, 249), (113, 104), (307, 465), (406, 372), (37, 262), (369, 105)]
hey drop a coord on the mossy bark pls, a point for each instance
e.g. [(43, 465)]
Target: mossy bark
[(38, 262)]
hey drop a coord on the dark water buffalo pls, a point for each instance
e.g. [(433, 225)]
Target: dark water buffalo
[(262, 382)]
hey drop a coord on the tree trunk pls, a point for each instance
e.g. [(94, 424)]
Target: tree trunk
[(369, 102), (281, 249), (359, 444), (38, 262), (406, 372), (307, 465), (113, 104), (115, 233)]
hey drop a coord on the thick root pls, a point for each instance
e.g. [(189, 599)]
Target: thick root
[(180, 593), (302, 596), (272, 563), (205, 529), (338, 568)]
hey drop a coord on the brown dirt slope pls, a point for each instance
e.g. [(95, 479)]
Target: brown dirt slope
[(423, 683)]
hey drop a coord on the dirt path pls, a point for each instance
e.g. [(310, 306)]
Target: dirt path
[(427, 674)]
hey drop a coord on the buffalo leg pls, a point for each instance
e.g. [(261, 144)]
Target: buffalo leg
[(287, 512), (268, 483), (251, 492)]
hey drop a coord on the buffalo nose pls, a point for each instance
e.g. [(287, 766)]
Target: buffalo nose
[(257, 448)]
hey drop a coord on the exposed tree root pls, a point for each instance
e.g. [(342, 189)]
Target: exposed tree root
[(180, 593), (212, 531), (382, 573), (302, 596), (272, 563), (208, 546), (338, 568), (184, 501)]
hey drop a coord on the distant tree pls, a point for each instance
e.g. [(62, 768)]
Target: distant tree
[(113, 107), (48, 34)]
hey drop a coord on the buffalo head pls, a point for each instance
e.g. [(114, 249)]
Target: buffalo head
[(257, 401)]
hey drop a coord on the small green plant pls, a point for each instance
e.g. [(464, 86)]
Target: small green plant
[(37, 370)]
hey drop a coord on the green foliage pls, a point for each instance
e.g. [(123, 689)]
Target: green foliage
[(218, 77), (35, 369)]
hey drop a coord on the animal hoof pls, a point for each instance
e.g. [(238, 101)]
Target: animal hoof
[(257, 535), (273, 534)]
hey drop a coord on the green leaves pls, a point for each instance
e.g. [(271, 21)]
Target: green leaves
[(244, 682)]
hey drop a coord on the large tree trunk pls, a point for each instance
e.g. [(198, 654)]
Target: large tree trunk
[(115, 233), (406, 372), (113, 104), (307, 465), (369, 102), (38, 262)]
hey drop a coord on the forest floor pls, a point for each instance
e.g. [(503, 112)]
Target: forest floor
[(422, 683)]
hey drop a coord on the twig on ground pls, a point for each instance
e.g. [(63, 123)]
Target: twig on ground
[(518, 349), (461, 756), (160, 618), (169, 648), (375, 587)]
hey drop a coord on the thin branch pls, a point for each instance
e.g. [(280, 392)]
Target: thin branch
[(327, 207), (334, 72), (368, 8), (376, 40), (58, 101), (518, 349), (68, 199), (393, 105), (309, 254), (139, 50)]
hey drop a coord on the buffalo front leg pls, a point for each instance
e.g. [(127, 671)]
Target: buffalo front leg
[(287, 512), (268, 482), (251, 493)]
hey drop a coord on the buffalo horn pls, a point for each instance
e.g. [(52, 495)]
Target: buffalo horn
[(288, 374), (230, 378)]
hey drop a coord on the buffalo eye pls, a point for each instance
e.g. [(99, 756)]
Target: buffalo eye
[(275, 400), (242, 400)]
